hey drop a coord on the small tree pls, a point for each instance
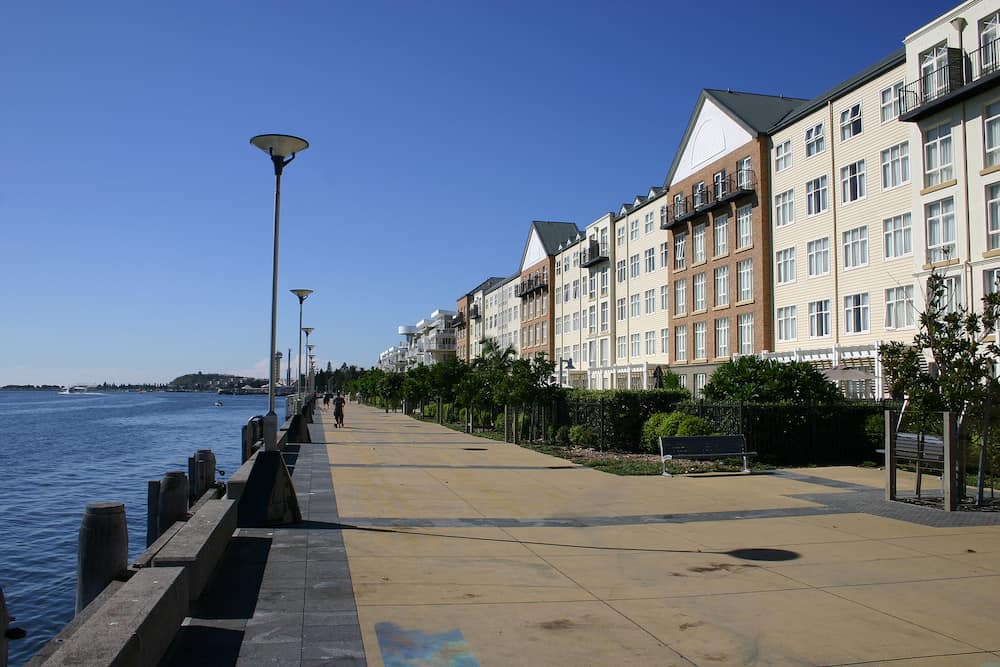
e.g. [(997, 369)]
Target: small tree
[(757, 380), (963, 351)]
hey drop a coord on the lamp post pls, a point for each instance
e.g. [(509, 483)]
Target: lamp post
[(311, 383), (302, 294), (281, 148), (569, 367), (307, 330)]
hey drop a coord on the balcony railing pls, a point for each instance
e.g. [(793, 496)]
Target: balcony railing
[(529, 285), (474, 313), (957, 79), (594, 253), (733, 186)]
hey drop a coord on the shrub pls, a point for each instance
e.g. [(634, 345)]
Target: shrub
[(463, 415), (875, 430), (692, 425), (581, 436), (562, 436), (498, 424), (430, 410), (659, 424)]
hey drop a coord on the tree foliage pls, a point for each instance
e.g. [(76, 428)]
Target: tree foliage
[(755, 380)]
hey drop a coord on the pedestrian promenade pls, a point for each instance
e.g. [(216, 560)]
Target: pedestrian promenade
[(424, 546)]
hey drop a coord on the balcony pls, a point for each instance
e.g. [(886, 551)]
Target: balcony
[(594, 253), (529, 285), (958, 79), (458, 321), (733, 186), (474, 313)]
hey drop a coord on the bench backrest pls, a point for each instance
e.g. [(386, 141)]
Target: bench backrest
[(907, 447), (703, 445)]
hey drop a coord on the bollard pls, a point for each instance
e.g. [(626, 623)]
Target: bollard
[(102, 551), (173, 499), (4, 620), (194, 480), (207, 457), (152, 511)]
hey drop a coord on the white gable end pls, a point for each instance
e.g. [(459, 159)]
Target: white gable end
[(534, 252), (714, 134)]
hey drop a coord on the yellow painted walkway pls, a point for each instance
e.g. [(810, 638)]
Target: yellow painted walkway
[(462, 548)]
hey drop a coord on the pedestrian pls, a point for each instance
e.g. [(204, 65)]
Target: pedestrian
[(338, 410)]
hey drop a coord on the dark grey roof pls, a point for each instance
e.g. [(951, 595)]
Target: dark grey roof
[(892, 60), (554, 233), (487, 284), (756, 113)]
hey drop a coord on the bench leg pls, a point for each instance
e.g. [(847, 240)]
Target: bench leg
[(746, 464), (663, 462)]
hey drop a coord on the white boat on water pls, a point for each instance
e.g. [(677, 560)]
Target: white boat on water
[(74, 390)]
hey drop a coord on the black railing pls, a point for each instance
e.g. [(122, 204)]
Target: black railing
[(474, 313), (957, 74), (742, 183), (594, 252)]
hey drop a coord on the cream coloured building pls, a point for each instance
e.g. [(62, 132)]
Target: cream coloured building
[(843, 225), (502, 314), (951, 103)]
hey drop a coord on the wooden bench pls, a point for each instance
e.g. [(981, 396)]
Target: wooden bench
[(910, 448), (704, 447)]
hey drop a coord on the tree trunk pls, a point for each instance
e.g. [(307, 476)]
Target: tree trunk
[(981, 478)]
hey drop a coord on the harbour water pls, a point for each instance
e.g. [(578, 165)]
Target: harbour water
[(59, 452)]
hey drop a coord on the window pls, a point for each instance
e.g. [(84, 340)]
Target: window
[(633, 229), (576, 321), (852, 182), (744, 333), (698, 291), (940, 216), (566, 264), (700, 340), (664, 298), (744, 226), (558, 267), (899, 307), (784, 261), (783, 155), (700, 380), (819, 318), (816, 201), (622, 347), (664, 254), (680, 250), (814, 140), (993, 216), (648, 222), (989, 32), (890, 101), (633, 263), (856, 247), (604, 281), (937, 156), (620, 308), (952, 293), (896, 165), (744, 280), (991, 281), (991, 126), (621, 235), (604, 316), (576, 289), (634, 339), (700, 194), (649, 259), (680, 297), (681, 343), (819, 257), (850, 122), (650, 295), (722, 337), (621, 270), (856, 313), (898, 236), (720, 234), (784, 208), (650, 343), (664, 341), (565, 324), (634, 305), (698, 244), (592, 282), (786, 323), (719, 184), (592, 320), (722, 286), (744, 174), (934, 72), (566, 293)]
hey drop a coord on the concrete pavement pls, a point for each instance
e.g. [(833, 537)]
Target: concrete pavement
[(437, 548)]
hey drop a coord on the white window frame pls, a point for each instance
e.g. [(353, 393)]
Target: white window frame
[(993, 216), (744, 280), (680, 250), (786, 320), (940, 225), (850, 122), (698, 235), (855, 244), (852, 182), (621, 309), (649, 259), (899, 308), (784, 208), (895, 166), (720, 234), (650, 298), (651, 343), (897, 235), (633, 229), (744, 333), (722, 337), (680, 296), (857, 318), (699, 301), (622, 347), (784, 266), (633, 266), (680, 343), (819, 319), (636, 344), (818, 257), (744, 227), (815, 140), (783, 155), (700, 340), (817, 197), (991, 139), (938, 155), (665, 298), (890, 102), (634, 305), (721, 286)]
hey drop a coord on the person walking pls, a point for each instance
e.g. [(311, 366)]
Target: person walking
[(338, 410)]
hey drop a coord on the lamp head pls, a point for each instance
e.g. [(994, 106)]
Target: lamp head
[(281, 148), (569, 364), (301, 293), (308, 330)]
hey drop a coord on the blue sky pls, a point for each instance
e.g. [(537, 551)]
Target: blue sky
[(136, 219)]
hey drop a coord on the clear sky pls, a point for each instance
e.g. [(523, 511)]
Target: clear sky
[(136, 218)]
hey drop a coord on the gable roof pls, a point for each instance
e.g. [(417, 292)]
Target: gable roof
[(756, 113), (874, 71)]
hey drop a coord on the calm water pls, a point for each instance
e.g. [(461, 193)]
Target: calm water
[(59, 452)]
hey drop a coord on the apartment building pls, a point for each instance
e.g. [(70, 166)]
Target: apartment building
[(469, 323), (640, 310), (951, 102), (461, 326), (842, 225), (718, 216), (537, 266), (429, 341), (569, 317), (502, 319)]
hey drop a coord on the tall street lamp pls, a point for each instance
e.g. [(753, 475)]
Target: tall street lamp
[(569, 367), (281, 148), (308, 331), (302, 294)]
